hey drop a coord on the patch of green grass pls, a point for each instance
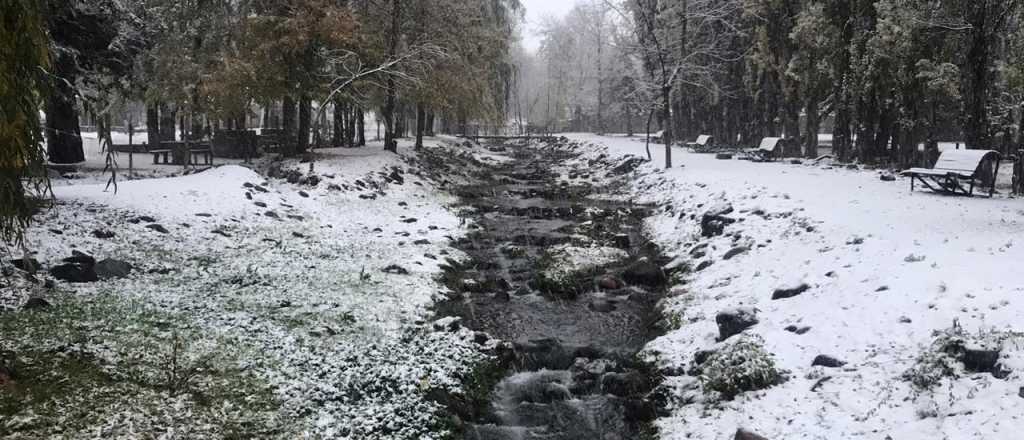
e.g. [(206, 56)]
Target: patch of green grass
[(86, 361)]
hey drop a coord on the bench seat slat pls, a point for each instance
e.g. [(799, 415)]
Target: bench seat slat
[(937, 172)]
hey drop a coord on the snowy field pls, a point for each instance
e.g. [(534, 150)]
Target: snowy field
[(885, 276), (253, 308)]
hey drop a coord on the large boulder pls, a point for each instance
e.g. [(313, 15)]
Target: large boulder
[(74, 273), (743, 434), (623, 384), (733, 322), (714, 220), (112, 268), (790, 292), (645, 273)]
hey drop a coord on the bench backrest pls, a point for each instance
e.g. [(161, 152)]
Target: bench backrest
[(769, 143), (703, 140), (964, 161)]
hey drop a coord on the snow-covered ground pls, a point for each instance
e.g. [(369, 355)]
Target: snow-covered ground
[(888, 272), (264, 310)]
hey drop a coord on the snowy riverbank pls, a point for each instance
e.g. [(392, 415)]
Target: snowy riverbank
[(254, 308), (887, 273)]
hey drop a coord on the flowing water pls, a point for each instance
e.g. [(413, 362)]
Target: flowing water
[(573, 372)]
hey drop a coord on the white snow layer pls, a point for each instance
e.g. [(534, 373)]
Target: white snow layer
[(887, 269)]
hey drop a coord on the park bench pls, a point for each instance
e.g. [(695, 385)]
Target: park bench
[(703, 142), (954, 168), (164, 154), (202, 152), (768, 150), (130, 148)]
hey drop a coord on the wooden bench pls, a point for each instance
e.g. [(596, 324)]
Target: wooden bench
[(703, 142), (204, 153), (130, 148), (768, 150), (955, 167), (164, 154)]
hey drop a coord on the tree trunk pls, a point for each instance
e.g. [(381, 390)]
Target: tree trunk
[(390, 143), (152, 124), (360, 128), (63, 134), (288, 124), (430, 124), (666, 114), (305, 111), (338, 126), (813, 126), (421, 120)]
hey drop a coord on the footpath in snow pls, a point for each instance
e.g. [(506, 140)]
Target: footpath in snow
[(863, 310)]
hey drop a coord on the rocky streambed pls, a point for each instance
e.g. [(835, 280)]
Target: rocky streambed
[(570, 285)]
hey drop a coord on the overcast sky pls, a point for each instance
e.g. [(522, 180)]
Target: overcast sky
[(536, 10)]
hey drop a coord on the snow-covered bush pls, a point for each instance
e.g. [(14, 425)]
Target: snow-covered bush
[(739, 366), (955, 352)]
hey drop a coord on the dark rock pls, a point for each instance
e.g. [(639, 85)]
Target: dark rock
[(421, 242), (601, 306), (79, 257), (735, 251), (609, 282), (882, 289), (480, 338), (30, 265), (714, 221), (980, 360), (56, 231), (827, 361), (723, 156), (271, 214), (298, 234), (621, 241), (733, 322), (448, 325), (296, 217), (702, 356), (623, 384), (395, 269), (74, 273), (145, 219), (158, 228), (743, 434), (36, 303), (645, 273), (628, 166), (703, 265), (111, 268), (789, 292), (798, 330), (260, 204), (103, 234), (409, 220), (221, 232), (203, 214), (303, 194), (260, 189), (887, 177)]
